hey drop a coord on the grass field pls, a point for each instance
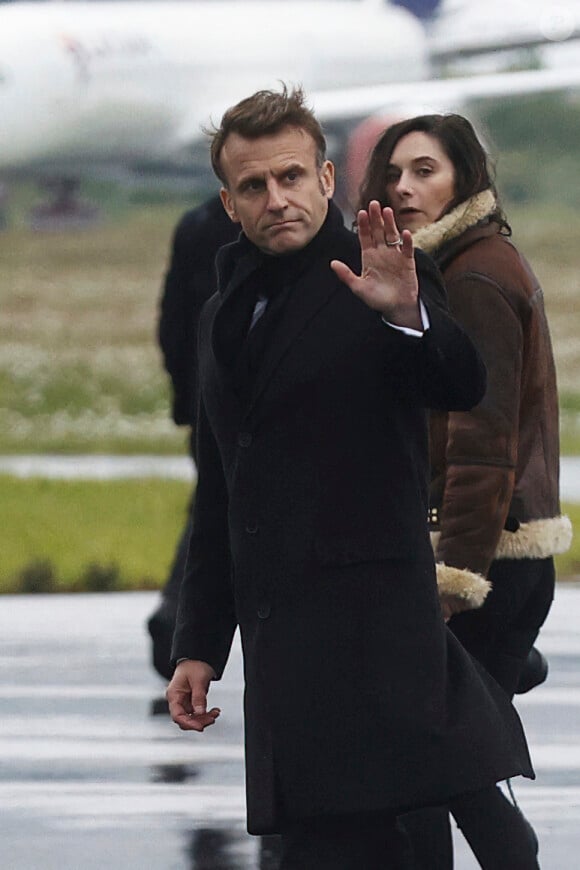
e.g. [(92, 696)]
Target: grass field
[(79, 367), (549, 239), (80, 372), (67, 536)]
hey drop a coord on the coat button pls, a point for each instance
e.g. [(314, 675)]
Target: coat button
[(264, 611), (252, 528), (244, 439)]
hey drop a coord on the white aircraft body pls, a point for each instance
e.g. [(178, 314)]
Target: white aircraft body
[(463, 29), (131, 84), (125, 83)]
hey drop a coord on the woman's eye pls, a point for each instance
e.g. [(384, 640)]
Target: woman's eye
[(425, 170)]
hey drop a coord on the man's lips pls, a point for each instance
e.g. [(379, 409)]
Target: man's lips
[(281, 224)]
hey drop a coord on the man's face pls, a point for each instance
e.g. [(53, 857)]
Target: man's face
[(275, 189)]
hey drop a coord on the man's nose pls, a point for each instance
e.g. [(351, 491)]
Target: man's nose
[(276, 197)]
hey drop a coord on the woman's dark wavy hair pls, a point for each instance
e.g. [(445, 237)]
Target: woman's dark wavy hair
[(458, 139)]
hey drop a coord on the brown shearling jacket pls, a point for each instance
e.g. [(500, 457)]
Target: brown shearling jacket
[(495, 470)]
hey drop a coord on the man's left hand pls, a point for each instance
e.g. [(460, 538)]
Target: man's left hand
[(388, 282)]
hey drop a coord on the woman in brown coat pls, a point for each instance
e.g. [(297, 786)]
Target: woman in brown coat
[(494, 500)]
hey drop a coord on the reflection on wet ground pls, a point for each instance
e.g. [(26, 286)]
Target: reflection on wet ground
[(214, 849), (173, 773), (90, 779)]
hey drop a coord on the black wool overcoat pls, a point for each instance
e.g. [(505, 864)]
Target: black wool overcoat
[(310, 533)]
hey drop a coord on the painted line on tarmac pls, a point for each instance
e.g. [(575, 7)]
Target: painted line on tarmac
[(101, 804), (124, 752), (548, 696), (113, 801), (546, 756), (59, 691), (555, 756)]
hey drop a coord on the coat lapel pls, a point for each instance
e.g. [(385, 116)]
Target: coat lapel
[(234, 265), (305, 301), (313, 288)]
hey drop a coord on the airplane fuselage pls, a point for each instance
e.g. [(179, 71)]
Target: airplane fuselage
[(119, 82)]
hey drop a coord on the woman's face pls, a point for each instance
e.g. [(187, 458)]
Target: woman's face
[(420, 180)]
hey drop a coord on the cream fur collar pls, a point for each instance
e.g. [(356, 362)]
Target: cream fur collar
[(467, 214)]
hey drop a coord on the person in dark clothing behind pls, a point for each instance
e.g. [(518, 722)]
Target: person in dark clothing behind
[(310, 521), (190, 280)]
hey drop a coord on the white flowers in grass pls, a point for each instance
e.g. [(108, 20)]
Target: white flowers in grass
[(87, 426), (85, 394)]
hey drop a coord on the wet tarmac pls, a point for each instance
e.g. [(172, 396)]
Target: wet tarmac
[(90, 779)]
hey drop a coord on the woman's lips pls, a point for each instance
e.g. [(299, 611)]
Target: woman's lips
[(408, 216)]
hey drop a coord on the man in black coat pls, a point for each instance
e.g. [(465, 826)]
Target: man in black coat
[(310, 523)]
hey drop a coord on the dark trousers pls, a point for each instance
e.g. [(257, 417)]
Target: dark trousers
[(497, 832), (499, 635), (352, 842)]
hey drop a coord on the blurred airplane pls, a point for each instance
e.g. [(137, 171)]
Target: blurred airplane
[(462, 31), (133, 83), (372, 109), (86, 86)]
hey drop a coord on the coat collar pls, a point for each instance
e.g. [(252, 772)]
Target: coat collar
[(308, 269), (463, 217), (236, 262)]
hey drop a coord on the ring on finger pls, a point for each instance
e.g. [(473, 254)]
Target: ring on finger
[(394, 244)]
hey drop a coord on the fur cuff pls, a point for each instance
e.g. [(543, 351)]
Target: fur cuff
[(461, 589), (537, 539)]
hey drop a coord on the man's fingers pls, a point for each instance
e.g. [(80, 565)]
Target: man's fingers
[(377, 224), (187, 695), (199, 702), (195, 722), (345, 274), (363, 227), (391, 231), (407, 246)]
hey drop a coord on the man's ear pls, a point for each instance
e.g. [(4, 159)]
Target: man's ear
[(228, 204), (327, 178)]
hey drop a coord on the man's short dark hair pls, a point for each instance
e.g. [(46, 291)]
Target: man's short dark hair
[(264, 114)]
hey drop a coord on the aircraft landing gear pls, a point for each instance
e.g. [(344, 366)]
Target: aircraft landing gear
[(63, 209)]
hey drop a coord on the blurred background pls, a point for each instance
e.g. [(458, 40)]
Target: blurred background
[(101, 152), (102, 105)]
